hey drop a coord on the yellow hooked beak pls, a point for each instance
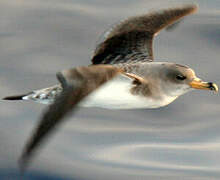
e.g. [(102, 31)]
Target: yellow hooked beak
[(197, 83)]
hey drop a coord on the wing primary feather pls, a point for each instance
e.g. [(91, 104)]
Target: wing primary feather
[(92, 77), (50, 120), (132, 39)]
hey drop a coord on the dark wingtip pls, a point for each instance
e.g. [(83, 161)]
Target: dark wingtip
[(22, 163), (191, 8), (24, 160), (194, 7)]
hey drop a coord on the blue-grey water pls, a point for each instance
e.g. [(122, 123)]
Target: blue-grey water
[(181, 141)]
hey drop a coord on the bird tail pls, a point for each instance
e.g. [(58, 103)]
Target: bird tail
[(16, 97)]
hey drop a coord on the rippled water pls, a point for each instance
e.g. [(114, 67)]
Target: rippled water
[(180, 141)]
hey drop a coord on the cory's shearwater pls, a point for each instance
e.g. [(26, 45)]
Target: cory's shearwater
[(123, 76)]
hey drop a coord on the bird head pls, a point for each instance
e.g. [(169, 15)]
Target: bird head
[(178, 79)]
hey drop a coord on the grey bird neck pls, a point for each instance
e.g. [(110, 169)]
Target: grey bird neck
[(154, 74)]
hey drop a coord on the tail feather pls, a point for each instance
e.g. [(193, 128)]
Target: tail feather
[(16, 97)]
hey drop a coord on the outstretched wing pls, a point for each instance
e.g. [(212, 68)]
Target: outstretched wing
[(77, 83), (132, 39)]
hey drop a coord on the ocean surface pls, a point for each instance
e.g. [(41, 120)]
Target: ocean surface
[(180, 141)]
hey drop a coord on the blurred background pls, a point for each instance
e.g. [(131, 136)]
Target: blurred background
[(181, 141)]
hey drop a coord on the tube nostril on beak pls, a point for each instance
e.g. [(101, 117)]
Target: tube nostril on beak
[(212, 86)]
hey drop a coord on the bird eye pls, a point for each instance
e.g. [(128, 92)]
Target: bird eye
[(180, 77)]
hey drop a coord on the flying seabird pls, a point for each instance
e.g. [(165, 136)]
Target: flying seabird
[(123, 75)]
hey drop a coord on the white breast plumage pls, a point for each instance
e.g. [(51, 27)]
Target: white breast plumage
[(116, 95)]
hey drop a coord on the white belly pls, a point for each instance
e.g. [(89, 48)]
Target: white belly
[(116, 95)]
